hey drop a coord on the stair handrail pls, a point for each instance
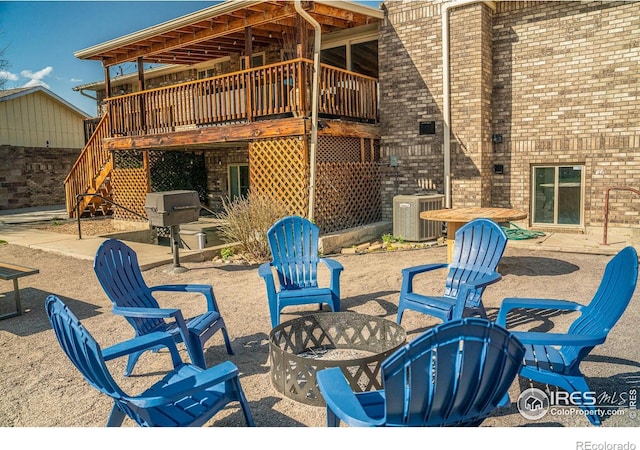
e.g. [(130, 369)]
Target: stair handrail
[(88, 164), (79, 196), (606, 207)]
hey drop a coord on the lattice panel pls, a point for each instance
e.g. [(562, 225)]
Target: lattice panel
[(347, 195), (176, 170), (129, 190), (278, 168), (338, 148), (129, 181)]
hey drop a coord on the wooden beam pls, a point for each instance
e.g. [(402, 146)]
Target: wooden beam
[(349, 129), (232, 133), (140, 74), (143, 118), (248, 46), (107, 82)]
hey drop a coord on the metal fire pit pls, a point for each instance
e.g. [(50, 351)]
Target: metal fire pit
[(294, 375)]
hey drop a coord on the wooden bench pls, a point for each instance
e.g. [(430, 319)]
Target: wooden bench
[(13, 272)]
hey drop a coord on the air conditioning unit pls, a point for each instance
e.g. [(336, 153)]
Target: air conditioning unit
[(407, 223)]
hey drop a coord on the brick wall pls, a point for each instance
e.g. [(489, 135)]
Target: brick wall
[(566, 90), (558, 81), (34, 176), (410, 59), (217, 162), (470, 68)]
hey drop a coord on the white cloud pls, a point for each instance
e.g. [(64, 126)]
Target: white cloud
[(35, 78), (34, 82), (75, 80), (8, 75)]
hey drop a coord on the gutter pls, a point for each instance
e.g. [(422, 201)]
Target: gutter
[(83, 93), (314, 105)]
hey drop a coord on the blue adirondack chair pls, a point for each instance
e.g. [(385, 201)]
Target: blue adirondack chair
[(186, 396), (455, 374), (554, 358), (294, 250), (116, 266), (479, 246)]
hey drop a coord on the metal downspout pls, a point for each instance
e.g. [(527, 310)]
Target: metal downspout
[(314, 105)]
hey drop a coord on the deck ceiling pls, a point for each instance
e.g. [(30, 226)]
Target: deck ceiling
[(220, 30)]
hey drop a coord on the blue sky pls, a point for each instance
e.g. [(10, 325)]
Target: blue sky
[(39, 39)]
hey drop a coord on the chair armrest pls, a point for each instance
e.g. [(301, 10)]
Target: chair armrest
[(267, 275), (151, 313), (481, 282), (464, 288), (204, 289), (575, 340), (265, 270), (199, 288), (332, 264), (410, 272), (160, 313), (145, 342), (336, 268), (340, 399), (415, 270), (202, 379), (533, 303)]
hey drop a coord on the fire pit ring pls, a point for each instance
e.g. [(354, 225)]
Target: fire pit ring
[(294, 344)]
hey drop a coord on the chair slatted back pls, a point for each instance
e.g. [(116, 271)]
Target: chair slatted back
[(294, 250), (116, 266), (479, 246), (454, 374), (609, 302), (80, 347)]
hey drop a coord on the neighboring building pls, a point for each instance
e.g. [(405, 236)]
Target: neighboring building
[(522, 104), (542, 106), (41, 135)]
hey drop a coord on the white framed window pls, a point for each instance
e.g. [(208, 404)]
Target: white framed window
[(238, 177), (558, 195)]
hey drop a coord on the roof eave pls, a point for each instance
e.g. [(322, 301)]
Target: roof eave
[(203, 14), (354, 8), (46, 91), (222, 8)]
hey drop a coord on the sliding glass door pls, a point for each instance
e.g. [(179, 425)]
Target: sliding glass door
[(238, 181)]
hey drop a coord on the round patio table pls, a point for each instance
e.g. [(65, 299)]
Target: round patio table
[(456, 217)]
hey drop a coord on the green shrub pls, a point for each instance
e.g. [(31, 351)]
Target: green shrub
[(246, 221), (226, 253)]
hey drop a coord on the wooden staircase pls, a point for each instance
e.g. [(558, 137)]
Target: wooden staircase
[(91, 174)]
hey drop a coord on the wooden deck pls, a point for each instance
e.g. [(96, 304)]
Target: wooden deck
[(275, 91), (268, 102)]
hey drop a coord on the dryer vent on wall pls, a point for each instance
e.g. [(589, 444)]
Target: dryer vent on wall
[(407, 223)]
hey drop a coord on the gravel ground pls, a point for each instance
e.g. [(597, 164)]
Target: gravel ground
[(40, 388)]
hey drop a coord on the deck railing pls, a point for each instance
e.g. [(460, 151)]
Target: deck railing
[(275, 90)]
